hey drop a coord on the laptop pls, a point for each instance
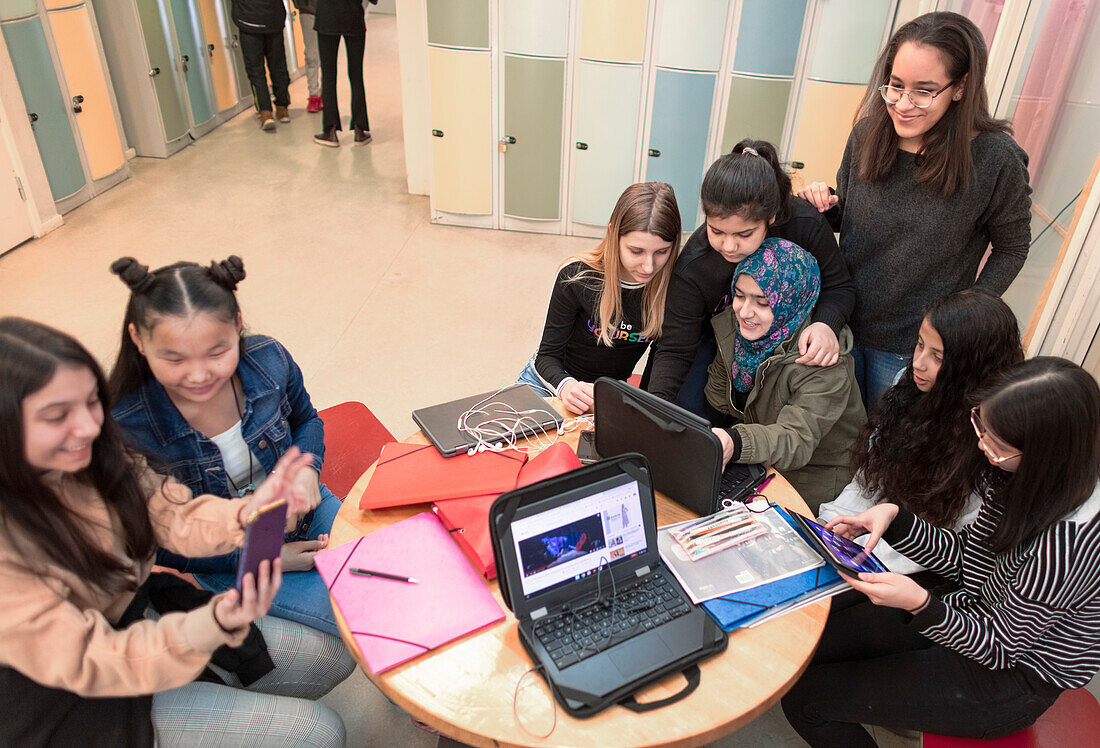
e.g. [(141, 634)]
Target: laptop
[(496, 413), (598, 612), (684, 454)]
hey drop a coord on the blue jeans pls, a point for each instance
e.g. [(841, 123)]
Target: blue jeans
[(530, 376), (876, 371), (303, 596)]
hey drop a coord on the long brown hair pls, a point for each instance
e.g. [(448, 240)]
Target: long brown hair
[(916, 449), (30, 511), (945, 163), (649, 207)]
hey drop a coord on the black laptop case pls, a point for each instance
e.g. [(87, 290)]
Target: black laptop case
[(573, 687)]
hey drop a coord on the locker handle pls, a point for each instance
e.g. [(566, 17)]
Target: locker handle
[(797, 165), (154, 71), (437, 133), (654, 152), (185, 58), (211, 48), (32, 116), (507, 140), (582, 146), (77, 101)]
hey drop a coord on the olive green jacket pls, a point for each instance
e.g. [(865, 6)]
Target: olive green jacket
[(801, 419)]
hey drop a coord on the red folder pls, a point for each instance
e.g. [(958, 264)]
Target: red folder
[(468, 519), (415, 473), (394, 621)]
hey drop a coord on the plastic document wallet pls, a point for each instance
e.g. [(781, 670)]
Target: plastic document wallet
[(394, 621), (417, 473)]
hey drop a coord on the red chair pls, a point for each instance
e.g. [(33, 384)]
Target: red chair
[(1073, 720), (353, 441)]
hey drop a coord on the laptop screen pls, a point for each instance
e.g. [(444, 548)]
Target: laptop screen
[(571, 541)]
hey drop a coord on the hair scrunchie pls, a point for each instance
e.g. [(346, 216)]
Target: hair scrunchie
[(135, 275), (228, 273)]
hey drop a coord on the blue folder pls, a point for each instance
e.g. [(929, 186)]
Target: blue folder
[(742, 608)]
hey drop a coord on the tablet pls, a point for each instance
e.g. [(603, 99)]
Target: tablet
[(847, 557)]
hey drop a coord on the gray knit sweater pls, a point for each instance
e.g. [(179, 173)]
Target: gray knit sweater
[(906, 245)]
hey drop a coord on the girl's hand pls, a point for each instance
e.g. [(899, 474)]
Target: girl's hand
[(873, 522), (578, 396), (890, 589), (727, 444), (817, 194), (818, 345), (234, 610), (298, 555), (281, 483), (308, 482)]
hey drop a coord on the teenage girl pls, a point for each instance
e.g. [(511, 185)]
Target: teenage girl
[(746, 198), (928, 181), (988, 655), (904, 453), (80, 519), (217, 410), (798, 417), (608, 304)]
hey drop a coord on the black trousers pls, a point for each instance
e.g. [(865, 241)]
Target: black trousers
[(328, 45), (872, 668), (256, 50)]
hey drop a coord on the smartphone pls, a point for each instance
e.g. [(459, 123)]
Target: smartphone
[(844, 555), (263, 539), (586, 447)]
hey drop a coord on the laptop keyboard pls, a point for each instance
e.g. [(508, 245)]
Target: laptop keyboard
[(731, 478), (570, 637)]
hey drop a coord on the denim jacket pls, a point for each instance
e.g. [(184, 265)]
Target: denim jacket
[(277, 414)]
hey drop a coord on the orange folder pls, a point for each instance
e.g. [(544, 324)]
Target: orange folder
[(394, 621), (468, 519), (416, 473)]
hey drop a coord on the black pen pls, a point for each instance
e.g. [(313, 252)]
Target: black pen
[(383, 575)]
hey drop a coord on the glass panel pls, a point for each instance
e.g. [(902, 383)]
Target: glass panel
[(849, 37), (691, 33), (459, 23), (678, 133), (613, 30), (767, 36), (535, 27), (533, 93), (756, 109), (985, 14), (823, 127)]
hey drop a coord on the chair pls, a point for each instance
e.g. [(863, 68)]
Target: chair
[(353, 440), (1074, 719)]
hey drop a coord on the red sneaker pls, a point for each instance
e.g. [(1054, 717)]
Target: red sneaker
[(314, 104)]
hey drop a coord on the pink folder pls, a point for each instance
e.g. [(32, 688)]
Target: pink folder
[(392, 621)]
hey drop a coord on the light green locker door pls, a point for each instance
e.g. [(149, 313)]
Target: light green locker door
[(47, 109), (162, 68), (459, 23), (605, 128), (534, 90), (195, 59)]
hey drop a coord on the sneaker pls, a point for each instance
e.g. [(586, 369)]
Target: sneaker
[(267, 120), (314, 104), (328, 137), (362, 137), (282, 114)]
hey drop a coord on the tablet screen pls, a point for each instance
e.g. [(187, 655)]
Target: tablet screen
[(849, 554)]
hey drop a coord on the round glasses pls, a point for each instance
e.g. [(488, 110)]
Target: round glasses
[(919, 98), (980, 430)]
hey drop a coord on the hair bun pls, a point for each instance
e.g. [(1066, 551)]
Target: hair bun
[(135, 275), (228, 273)]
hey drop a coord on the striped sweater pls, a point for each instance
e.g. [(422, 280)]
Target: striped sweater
[(1037, 605)]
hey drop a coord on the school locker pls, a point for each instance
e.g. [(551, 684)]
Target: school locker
[(462, 148), (534, 91)]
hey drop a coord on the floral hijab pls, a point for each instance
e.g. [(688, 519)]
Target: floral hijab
[(790, 280)]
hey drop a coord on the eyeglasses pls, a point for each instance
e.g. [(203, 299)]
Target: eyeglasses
[(980, 430), (919, 98)]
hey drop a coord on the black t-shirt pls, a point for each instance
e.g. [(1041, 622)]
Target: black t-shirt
[(700, 288), (570, 339)]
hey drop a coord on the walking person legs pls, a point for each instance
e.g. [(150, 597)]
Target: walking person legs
[(328, 45), (355, 46)]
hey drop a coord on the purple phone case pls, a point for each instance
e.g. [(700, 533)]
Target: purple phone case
[(263, 541)]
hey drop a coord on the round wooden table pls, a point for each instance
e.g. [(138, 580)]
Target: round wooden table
[(466, 689)]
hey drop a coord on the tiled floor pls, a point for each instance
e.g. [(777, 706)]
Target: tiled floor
[(375, 303)]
